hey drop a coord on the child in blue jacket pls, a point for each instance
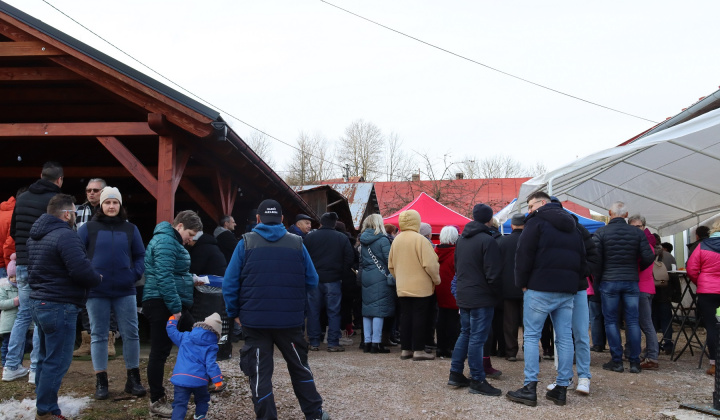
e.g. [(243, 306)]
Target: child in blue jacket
[(196, 364)]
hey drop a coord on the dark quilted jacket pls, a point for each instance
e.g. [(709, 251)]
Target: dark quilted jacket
[(166, 269), (58, 270), (29, 206), (621, 249), (508, 246), (206, 256), (550, 255)]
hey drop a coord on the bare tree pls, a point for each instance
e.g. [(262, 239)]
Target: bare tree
[(260, 144), (362, 149), (497, 166), (310, 163), (399, 165)]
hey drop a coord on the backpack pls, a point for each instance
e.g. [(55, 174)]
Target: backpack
[(660, 273)]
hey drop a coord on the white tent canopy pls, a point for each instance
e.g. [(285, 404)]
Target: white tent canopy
[(671, 177)]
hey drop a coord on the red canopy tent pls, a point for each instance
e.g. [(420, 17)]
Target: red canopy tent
[(432, 212)]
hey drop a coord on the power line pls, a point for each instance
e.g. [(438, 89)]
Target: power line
[(487, 66)]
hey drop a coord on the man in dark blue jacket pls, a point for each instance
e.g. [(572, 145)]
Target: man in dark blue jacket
[(478, 269), (332, 256), (265, 292), (60, 275), (549, 262), (624, 250), (29, 207)]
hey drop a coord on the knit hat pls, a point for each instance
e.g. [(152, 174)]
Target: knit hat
[(518, 219), (110, 192), (340, 227), (215, 322), (482, 213), (270, 211), (329, 219), (425, 229), (11, 267)]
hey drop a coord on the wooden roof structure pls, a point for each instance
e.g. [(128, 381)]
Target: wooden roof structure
[(65, 101)]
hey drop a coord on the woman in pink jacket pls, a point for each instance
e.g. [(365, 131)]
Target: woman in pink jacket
[(703, 267), (647, 292)]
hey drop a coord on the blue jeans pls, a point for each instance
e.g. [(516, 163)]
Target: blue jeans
[(16, 346), (372, 329), (581, 338), (597, 323), (536, 308), (647, 327), (56, 325), (627, 292), (475, 325), (182, 397), (3, 272), (125, 309), (326, 296)]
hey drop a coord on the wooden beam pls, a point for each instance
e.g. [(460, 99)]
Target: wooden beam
[(95, 171), (131, 163), (37, 73), (28, 49), (228, 192), (76, 129), (166, 171), (181, 160), (150, 100), (200, 198)]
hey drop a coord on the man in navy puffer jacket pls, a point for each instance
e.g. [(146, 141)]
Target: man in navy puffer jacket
[(60, 275), (549, 263)]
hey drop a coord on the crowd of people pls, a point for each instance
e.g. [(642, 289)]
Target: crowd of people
[(463, 298)]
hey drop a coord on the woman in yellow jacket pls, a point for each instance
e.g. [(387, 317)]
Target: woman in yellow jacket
[(414, 264)]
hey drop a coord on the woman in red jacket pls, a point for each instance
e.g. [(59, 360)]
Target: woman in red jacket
[(703, 267), (448, 321)]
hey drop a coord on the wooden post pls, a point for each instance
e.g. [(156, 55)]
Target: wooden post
[(166, 184)]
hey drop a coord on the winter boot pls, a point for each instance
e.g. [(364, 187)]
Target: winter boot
[(133, 385), (557, 395), (484, 388), (526, 395), (373, 347), (84, 349), (111, 344), (101, 386), (382, 348), (490, 372), (458, 380), (367, 347)]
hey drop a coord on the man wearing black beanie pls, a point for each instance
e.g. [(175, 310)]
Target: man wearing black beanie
[(478, 268), (332, 256)]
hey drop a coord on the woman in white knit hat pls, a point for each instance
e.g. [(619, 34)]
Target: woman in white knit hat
[(116, 250)]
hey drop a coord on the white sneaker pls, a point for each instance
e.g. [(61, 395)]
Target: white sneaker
[(161, 408), (583, 387), (31, 377), (12, 374), (553, 385)]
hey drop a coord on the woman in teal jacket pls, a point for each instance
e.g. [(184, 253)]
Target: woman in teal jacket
[(168, 291), (378, 297)]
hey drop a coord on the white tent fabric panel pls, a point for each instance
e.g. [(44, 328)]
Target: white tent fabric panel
[(671, 177)]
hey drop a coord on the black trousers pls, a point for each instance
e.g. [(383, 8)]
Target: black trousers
[(512, 320), (256, 361), (413, 322), (707, 304), (448, 329), (157, 315)]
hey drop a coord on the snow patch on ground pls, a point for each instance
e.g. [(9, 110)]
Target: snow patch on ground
[(25, 409)]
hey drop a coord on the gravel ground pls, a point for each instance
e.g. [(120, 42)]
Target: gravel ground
[(355, 385)]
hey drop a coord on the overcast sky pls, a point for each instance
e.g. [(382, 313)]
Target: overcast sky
[(303, 65)]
